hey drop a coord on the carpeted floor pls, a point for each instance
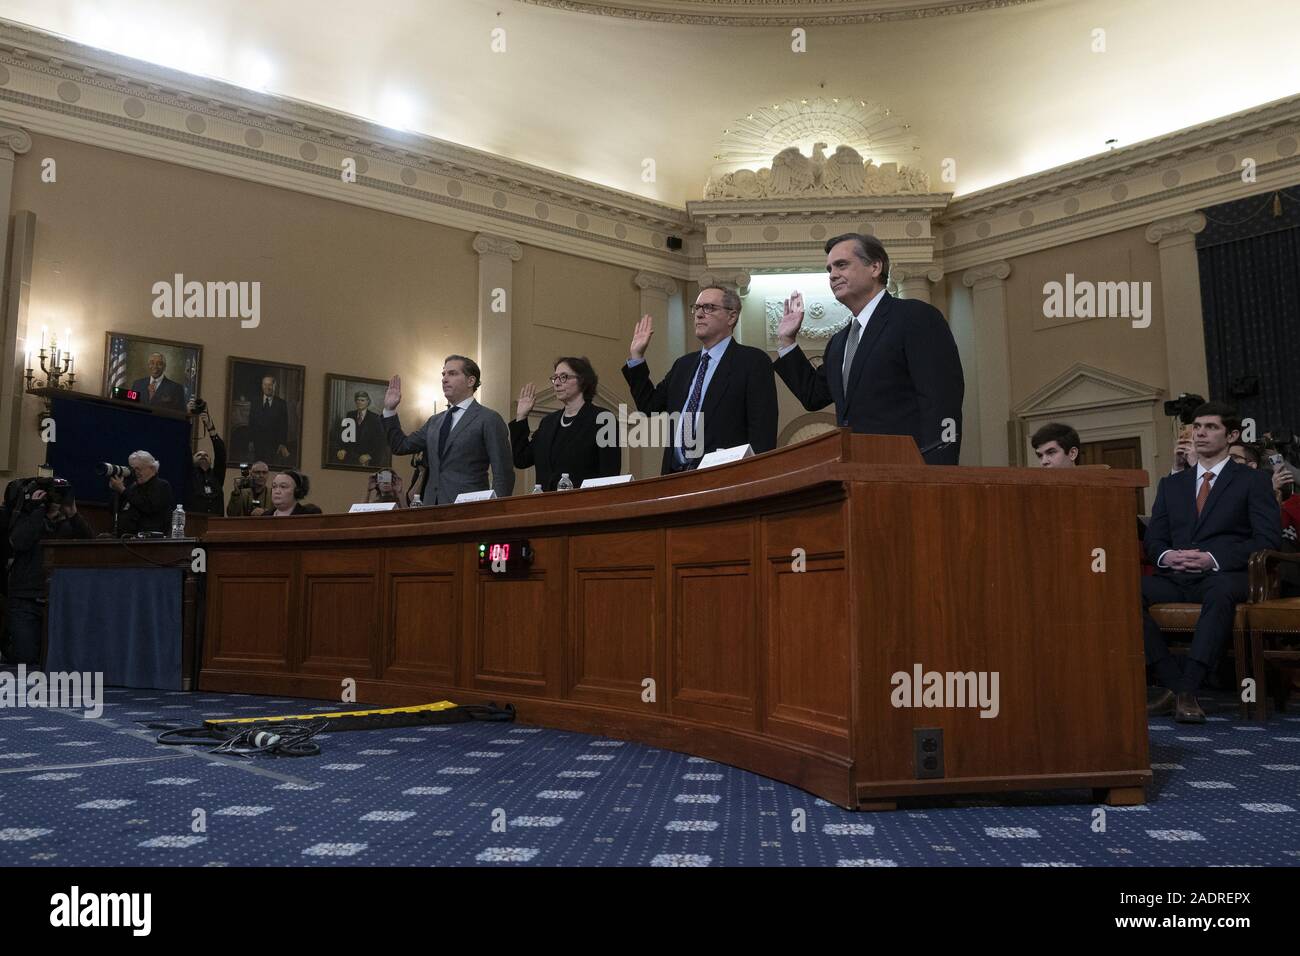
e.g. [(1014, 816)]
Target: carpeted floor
[(79, 792)]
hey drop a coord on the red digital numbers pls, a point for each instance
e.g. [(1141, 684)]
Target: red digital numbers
[(499, 552)]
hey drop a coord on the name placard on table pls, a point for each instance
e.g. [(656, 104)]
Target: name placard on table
[(608, 480), (721, 456), (475, 496), (372, 506)]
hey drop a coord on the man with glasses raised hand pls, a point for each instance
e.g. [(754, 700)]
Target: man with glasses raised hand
[(722, 396)]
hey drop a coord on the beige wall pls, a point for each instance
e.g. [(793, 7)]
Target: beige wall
[(344, 289), (1042, 349)]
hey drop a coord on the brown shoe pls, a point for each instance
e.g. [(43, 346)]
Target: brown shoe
[(1161, 704), (1187, 710)]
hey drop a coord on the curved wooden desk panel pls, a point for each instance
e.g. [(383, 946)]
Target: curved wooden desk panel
[(754, 613)]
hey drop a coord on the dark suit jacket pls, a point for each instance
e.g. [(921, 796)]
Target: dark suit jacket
[(906, 377), (369, 440), (168, 395), (146, 507), (739, 407), (573, 450), (299, 509), (268, 428), (1240, 517)]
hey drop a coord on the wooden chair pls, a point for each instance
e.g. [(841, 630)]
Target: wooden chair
[(1264, 586), (1270, 620)]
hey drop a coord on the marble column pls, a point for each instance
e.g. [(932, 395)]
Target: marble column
[(1180, 294), (992, 358), (914, 279), (13, 311), (496, 258)]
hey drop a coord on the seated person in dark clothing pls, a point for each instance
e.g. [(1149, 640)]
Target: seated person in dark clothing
[(38, 514), (208, 476), (145, 505), (1207, 521), (288, 488), (566, 441)]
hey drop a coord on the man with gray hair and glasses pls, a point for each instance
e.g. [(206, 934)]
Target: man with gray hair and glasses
[(144, 506), (720, 397)]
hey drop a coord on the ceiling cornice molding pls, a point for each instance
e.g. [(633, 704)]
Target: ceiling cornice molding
[(54, 86), (777, 13), (1168, 176)]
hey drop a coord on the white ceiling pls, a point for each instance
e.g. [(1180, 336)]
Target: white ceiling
[(1004, 92)]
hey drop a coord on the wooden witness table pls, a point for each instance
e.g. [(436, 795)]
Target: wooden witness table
[(755, 613)]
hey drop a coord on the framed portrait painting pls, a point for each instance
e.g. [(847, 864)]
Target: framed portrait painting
[(166, 374), (354, 437), (264, 403)]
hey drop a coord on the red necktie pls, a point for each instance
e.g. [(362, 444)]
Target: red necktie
[(1204, 493)]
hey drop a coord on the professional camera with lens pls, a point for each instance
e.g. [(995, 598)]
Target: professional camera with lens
[(198, 406), (106, 469), (1184, 407), (244, 480), (57, 491)]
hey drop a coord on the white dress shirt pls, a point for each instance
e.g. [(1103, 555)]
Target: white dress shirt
[(862, 318)]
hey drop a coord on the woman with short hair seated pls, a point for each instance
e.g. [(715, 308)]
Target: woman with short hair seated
[(288, 488)]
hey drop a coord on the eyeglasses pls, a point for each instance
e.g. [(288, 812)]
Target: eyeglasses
[(708, 308), (561, 378)]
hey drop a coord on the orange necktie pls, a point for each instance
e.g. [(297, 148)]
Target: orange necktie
[(1204, 493), (152, 388)]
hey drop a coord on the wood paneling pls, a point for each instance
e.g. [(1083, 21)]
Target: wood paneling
[(772, 600)]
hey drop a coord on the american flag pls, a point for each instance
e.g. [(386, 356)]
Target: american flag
[(117, 364)]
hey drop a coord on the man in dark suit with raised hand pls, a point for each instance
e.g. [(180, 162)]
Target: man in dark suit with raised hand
[(893, 370), (722, 396), (1208, 519)]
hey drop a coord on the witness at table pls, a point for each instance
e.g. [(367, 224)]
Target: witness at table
[(570, 440), (288, 488)]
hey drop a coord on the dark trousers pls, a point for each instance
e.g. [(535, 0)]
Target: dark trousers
[(1218, 594), (23, 630)]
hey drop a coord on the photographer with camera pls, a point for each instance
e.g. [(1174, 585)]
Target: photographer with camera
[(206, 494), (145, 505), (42, 509), (250, 498), (385, 486)]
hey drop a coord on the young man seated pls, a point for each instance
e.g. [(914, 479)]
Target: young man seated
[(1208, 519), (1056, 445)]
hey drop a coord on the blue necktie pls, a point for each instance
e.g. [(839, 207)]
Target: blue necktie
[(693, 407), (445, 431)]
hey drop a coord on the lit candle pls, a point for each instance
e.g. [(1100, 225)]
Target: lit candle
[(29, 360), (67, 346), (43, 330)]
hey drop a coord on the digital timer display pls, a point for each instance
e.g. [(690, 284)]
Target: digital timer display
[(504, 556)]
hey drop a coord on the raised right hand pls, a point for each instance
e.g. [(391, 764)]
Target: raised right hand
[(791, 321), (527, 399), (1184, 454), (393, 397), (645, 330)]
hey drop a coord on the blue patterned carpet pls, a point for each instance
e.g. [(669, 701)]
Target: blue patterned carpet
[(78, 792)]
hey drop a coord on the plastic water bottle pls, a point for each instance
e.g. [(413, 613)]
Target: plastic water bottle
[(417, 501), (178, 522), (537, 490), (565, 484)]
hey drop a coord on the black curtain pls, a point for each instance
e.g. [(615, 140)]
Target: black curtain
[(1249, 263)]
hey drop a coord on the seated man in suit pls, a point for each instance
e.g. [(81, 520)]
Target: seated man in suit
[(158, 390), (723, 395), (1056, 446), (461, 442), (893, 370), (1207, 521)]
